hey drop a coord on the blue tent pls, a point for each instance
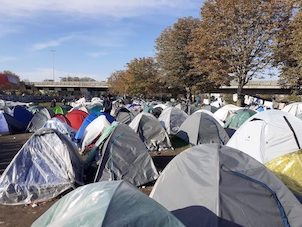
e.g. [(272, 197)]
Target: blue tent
[(108, 117), (23, 116), (85, 123)]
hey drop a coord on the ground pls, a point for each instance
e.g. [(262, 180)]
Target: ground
[(22, 215)]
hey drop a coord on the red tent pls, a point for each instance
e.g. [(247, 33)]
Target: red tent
[(62, 118), (76, 118)]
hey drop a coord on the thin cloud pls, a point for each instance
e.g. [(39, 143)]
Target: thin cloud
[(50, 43), (96, 54), (114, 8), (4, 59)]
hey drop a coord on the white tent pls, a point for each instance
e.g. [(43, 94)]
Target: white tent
[(226, 111), (293, 108), (93, 130), (268, 135)]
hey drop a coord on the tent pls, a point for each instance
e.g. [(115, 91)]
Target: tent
[(226, 111), (86, 122), (268, 135), (4, 129), (61, 127), (293, 108), (229, 183), (62, 118), (76, 118), (38, 120), (123, 115), (93, 131), (273, 137), (44, 167), (123, 156), (151, 132), (210, 108), (58, 110), (171, 119), (66, 108), (22, 115), (239, 117), (9, 125), (211, 114), (113, 203), (34, 109), (200, 128), (95, 108)]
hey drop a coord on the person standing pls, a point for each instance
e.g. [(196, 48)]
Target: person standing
[(107, 105)]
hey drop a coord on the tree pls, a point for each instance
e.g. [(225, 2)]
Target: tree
[(142, 73), (119, 82), (288, 54), (174, 59), (140, 78), (235, 38)]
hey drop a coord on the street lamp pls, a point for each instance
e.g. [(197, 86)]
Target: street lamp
[(53, 64)]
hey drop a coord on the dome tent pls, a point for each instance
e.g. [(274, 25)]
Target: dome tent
[(38, 120), (172, 118), (76, 118), (9, 125), (61, 127), (200, 128), (294, 108), (46, 165), (273, 138), (229, 183), (22, 115), (116, 204), (239, 117), (121, 155), (123, 115), (226, 111), (91, 117), (151, 132), (268, 135), (93, 130)]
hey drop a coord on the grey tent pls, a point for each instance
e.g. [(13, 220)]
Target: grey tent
[(123, 156), (62, 127), (231, 184), (123, 115), (171, 118), (44, 167), (114, 203), (151, 132), (200, 128), (210, 108), (39, 119)]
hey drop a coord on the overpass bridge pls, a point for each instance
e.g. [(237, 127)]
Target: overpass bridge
[(255, 87), (96, 87), (72, 87)]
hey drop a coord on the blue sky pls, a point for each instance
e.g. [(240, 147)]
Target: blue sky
[(90, 37)]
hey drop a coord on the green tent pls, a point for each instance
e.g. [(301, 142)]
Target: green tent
[(239, 118), (58, 110), (109, 203)]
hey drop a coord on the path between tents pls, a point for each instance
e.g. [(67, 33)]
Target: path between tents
[(22, 215)]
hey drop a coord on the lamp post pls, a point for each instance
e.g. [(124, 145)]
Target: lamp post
[(53, 64)]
